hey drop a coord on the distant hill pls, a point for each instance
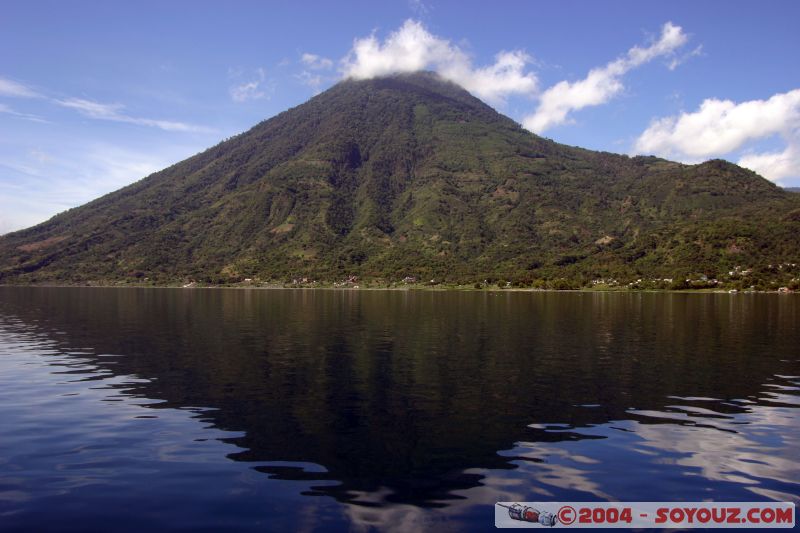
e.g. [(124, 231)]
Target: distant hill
[(792, 189), (410, 175)]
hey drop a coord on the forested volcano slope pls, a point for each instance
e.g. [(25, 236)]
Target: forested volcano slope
[(410, 175)]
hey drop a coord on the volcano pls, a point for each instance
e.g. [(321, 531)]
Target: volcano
[(410, 175)]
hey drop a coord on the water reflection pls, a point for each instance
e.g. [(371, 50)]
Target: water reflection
[(405, 408)]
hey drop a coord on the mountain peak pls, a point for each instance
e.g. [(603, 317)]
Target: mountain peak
[(420, 78), (424, 85)]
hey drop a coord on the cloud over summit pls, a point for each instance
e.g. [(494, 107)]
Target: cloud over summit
[(412, 47)]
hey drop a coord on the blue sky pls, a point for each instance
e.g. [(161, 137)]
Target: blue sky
[(95, 95)]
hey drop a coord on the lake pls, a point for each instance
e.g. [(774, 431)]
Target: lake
[(237, 409)]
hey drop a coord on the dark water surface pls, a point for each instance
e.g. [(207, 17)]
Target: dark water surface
[(142, 409)]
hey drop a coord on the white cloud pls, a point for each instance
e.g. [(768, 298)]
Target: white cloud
[(251, 90), (15, 89), (316, 62), (311, 79), (88, 108), (720, 127), (601, 84), (776, 166), (92, 109), (675, 62), (313, 75), (26, 116), (36, 184), (505, 76), (114, 113), (412, 48), (166, 125)]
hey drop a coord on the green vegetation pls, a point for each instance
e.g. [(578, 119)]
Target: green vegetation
[(412, 176)]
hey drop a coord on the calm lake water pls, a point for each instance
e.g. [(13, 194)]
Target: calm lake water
[(135, 409)]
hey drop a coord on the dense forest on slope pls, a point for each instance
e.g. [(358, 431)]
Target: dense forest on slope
[(410, 175)]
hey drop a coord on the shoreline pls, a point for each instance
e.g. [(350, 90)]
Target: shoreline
[(454, 288)]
